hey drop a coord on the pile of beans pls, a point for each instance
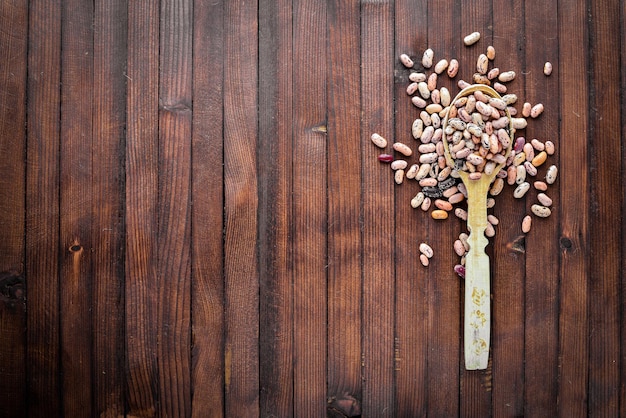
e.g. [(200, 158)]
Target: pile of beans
[(478, 137)]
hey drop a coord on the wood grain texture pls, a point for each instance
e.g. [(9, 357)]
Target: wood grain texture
[(189, 195), (378, 203), (541, 341), (410, 228), (344, 241), (76, 278), (108, 229), (141, 208), (606, 224), (274, 172), (574, 216), (174, 209), (241, 269), (14, 40), (42, 210), (207, 211), (308, 208)]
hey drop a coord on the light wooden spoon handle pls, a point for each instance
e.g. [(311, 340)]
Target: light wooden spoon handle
[(477, 293)]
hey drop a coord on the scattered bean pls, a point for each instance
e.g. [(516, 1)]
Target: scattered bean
[(506, 76), (540, 158), (417, 128), (547, 68), (526, 224), (385, 158), (549, 147), (399, 165), (379, 141), (439, 214), (521, 190), (417, 200), (406, 61), (399, 176), (453, 68), (471, 39), (459, 249), (417, 77), (482, 63), (403, 149), (540, 185), (427, 58), (491, 53), (544, 199), (441, 66), (424, 260), (426, 250), (526, 109), (536, 110), (541, 211), (461, 213)]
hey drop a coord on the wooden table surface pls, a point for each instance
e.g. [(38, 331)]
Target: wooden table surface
[(195, 222)]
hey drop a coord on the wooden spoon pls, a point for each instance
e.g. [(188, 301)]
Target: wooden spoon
[(477, 289)]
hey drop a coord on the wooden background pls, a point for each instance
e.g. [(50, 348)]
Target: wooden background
[(194, 222)]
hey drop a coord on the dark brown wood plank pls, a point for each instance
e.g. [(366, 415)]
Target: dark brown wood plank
[(622, 244), (308, 207), (377, 79), (174, 209), (13, 47), (274, 173), (109, 117), (42, 209), (241, 204), (445, 328), (606, 224), (411, 343), (141, 209), (508, 261), (76, 279), (344, 168), (573, 189), (475, 385), (542, 272), (207, 303)]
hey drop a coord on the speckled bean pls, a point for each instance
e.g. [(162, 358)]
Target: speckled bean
[(531, 170), (549, 147), (403, 149), (412, 171), (481, 64), (417, 77), (427, 58), (406, 61), (459, 249), (453, 68), (441, 66), (461, 213), (544, 199), (471, 39), (426, 250), (399, 176), (417, 128), (417, 200), (399, 165), (541, 211), (536, 110), (521, 190), (425, 204), (526, 109), (379, 141), (526, 224), (506, 76)]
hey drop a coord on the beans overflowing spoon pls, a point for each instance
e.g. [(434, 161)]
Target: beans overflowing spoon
[(478, 153)]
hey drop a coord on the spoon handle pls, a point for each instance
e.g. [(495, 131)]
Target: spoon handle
[(477, 293)]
